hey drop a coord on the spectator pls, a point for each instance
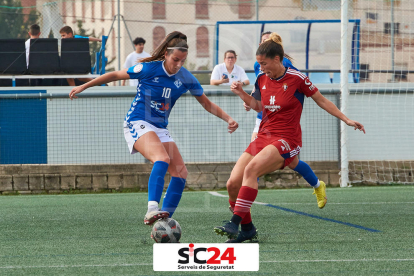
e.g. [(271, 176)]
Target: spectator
[(67, 32), (134, 58), (228, 72), (34, 32)]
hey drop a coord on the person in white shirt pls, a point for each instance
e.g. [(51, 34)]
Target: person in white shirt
[(134, 57), (228, 72), (34, 32)]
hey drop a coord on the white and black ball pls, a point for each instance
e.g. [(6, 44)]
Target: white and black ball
[(166, 230)]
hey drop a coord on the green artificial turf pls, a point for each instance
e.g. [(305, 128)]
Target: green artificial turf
[(104, 234)]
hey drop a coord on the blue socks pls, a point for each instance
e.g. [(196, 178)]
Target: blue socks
[(173, 195), (156, 181), (303, 169)]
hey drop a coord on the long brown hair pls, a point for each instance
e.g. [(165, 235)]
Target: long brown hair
[(273, 47), (176, 40)]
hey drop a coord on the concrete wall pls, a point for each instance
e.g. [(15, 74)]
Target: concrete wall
[(32, 179)]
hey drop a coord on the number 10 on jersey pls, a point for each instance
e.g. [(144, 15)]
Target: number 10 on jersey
[(166, 92)]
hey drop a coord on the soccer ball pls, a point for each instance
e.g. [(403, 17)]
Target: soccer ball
[(166, 230)]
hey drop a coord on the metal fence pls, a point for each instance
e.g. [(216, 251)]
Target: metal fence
[(382, 47), (44, 126)]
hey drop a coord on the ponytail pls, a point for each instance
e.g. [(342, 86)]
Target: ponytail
[(272, 47), (174, 40)]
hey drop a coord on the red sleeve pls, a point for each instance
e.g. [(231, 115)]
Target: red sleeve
[(306, 87)]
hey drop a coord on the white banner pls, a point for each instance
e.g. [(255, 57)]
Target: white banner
[(206, 257)]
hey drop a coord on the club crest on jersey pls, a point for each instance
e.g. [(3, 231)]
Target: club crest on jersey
[(155, 79), (285, 86), (272, 107), (138, 68), (178, 83)]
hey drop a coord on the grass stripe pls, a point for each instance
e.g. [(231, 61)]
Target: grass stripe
[(345, 260), (306, 214), (322, 218), (148, 264)]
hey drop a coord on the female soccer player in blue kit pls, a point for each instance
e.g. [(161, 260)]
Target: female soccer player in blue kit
[(161, 81)]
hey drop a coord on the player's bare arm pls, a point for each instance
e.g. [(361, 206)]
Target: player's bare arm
[(329, 107), (236, 88), (109, 77), (217, 111)]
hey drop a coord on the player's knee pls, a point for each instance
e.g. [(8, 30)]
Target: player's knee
[(251, 170), (163, 158), (183, 172), (233, 185), (178, 171), (294, 163)]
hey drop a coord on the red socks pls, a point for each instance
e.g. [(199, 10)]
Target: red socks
[(247, 218), (244, 202)]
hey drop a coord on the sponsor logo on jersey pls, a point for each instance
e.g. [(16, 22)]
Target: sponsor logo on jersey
[(285, 86), (155, 79), (178, 83), (307, 82), (142, 126), (138, 68), (160, 107), (272, 107), (264, 86)]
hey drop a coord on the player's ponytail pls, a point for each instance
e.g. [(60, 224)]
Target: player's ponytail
[(272, 47), (173, 41), (276, 38)]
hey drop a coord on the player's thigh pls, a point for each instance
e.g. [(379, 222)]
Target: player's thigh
[(236, 176), (266, 161), (150, 146), (177, 167)]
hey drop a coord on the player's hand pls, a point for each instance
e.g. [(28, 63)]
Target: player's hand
[(356, 125), (233, 125), (246, 107), (224, 79), (74, 91), (236, 87)]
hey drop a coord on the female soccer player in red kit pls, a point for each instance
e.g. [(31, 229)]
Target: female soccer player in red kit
[(279, 92)]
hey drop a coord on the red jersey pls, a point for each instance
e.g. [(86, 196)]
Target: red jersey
[(282, 102)]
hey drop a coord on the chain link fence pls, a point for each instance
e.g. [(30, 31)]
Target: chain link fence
[(152, 20)]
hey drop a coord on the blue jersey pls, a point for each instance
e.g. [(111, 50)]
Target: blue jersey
[(286, 63), (157, 92)]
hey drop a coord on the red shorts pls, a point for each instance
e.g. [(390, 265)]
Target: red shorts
[(287, 149)]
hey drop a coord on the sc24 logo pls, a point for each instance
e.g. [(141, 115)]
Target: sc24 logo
[(228, 255)]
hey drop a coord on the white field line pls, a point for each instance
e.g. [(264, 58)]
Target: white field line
[(345, 260), (330, 203), (68, 266), (220, 195), (148, 264)]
